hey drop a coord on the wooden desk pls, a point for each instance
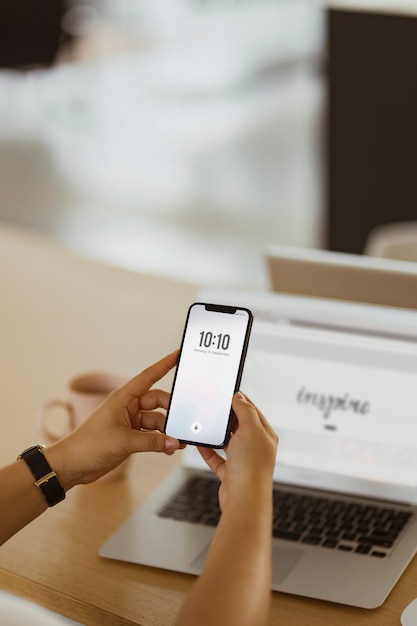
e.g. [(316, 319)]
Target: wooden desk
[(62, 315)]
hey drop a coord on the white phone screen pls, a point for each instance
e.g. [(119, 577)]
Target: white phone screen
[(208, 373)]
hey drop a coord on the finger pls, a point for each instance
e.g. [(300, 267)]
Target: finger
[(265, 423), (257, 409), (213, 459), (154, 399), (142, 441), (246, 410), (149, 420), (150, 400), (144, 381), (261, 416)]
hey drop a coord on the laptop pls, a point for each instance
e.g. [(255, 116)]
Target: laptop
[(338, 382)]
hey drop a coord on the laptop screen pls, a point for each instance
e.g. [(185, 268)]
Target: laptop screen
[(338, 382)]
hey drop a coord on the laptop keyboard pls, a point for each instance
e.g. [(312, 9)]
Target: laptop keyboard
[(197, 502), (338, 524), (309, 519)]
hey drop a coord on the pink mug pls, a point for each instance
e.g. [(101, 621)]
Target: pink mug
[(57, 418)]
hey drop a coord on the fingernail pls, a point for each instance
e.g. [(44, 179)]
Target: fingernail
[(171, 444), (240, 395)]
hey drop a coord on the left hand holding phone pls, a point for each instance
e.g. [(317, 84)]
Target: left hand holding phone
[(128, 421)]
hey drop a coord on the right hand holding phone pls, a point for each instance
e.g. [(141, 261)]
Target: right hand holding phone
[(250, 454)]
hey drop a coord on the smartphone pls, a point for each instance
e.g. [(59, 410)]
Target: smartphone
[(209, 369)]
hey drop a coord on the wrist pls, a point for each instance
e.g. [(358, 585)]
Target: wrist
[(254, 492), (57, 458), (252, 481)]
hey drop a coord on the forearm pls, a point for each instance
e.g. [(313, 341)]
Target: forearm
[(20, 500), (234, 588)]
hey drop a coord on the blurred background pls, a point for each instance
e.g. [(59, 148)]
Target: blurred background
[(175, 137)]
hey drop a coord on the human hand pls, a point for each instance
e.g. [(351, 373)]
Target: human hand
[(127, 421), (250, 453)]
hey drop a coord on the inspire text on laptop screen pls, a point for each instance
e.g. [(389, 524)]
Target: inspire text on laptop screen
[(343, 399)]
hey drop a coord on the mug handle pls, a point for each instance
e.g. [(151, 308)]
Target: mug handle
[(42, 425)]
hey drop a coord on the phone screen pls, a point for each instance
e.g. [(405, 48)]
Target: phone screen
[(208, 373)]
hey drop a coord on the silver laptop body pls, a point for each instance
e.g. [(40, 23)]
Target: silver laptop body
[(337, 381)]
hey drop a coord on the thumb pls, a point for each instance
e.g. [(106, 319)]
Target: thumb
[(154, 442)]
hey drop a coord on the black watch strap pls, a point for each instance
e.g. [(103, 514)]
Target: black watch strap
[(45, 478)]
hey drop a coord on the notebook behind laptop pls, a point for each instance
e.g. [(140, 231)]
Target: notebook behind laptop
[(339, 275), (336, 379)]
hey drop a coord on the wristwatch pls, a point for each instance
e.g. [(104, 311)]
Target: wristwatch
[(45, 478)]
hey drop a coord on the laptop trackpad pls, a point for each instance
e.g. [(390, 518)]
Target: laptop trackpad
[(283, 561)]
